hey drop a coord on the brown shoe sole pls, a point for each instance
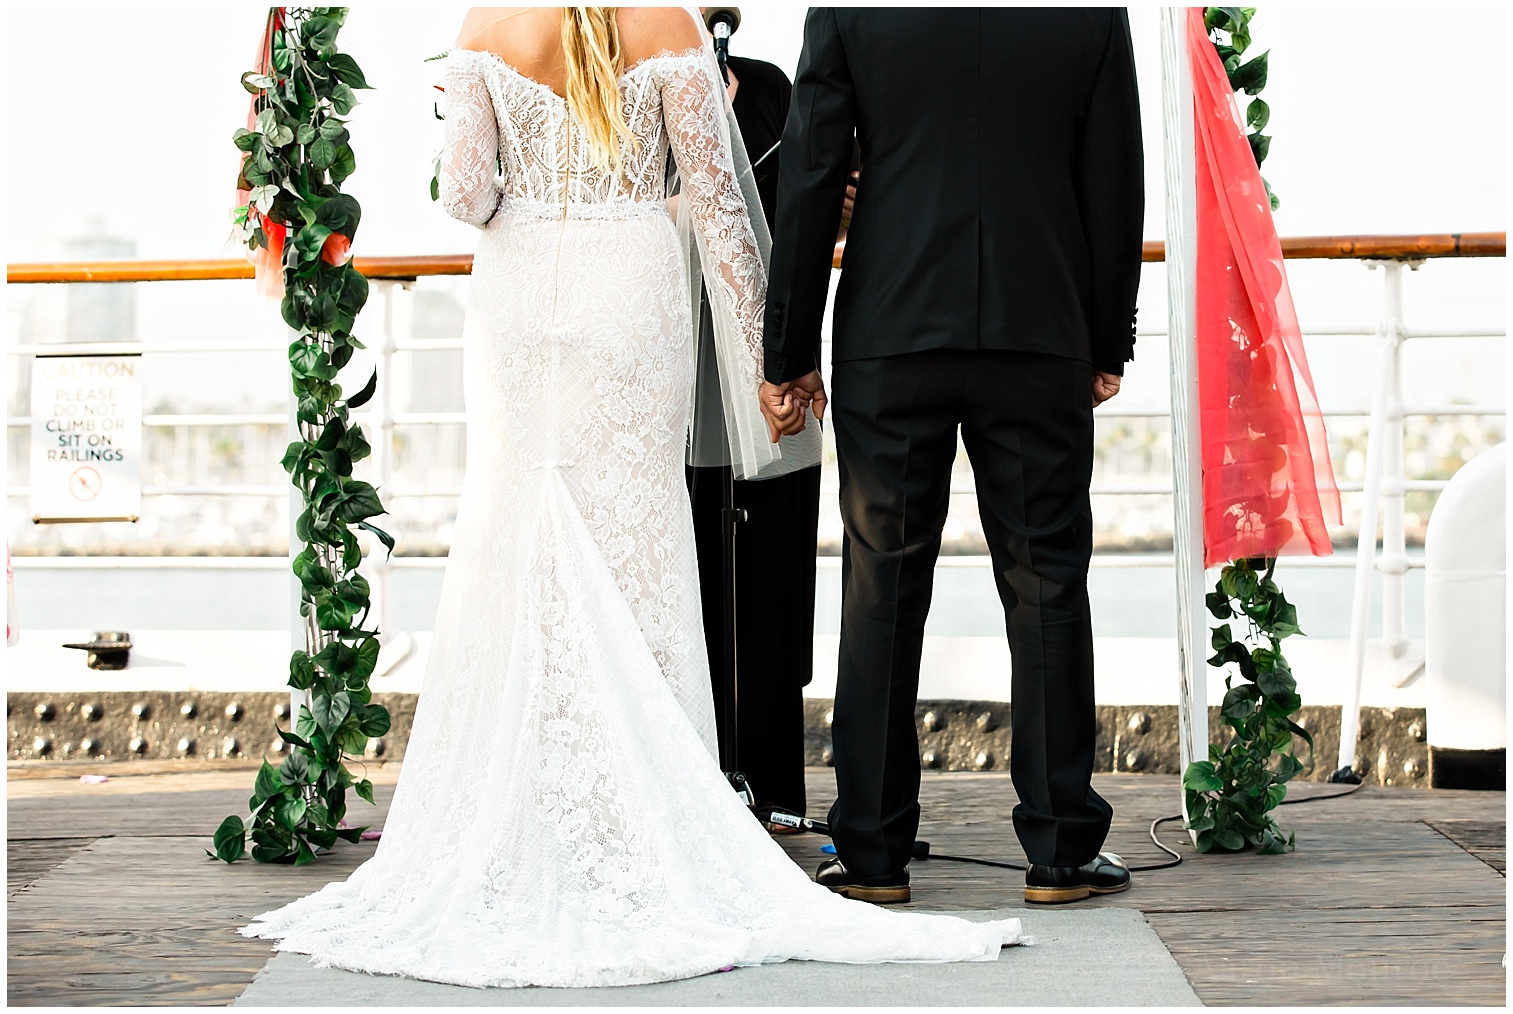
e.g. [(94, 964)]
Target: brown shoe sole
[(1062, 895), (876, 895)]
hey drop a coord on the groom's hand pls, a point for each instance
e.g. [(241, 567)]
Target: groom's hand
[(785, 405), (1105, 386)]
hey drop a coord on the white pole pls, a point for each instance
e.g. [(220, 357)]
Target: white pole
[(1393, 562), (1389, 341), (395, 305), (1182, 326)]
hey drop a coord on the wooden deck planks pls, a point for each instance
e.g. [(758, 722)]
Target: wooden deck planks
[(113, 903)]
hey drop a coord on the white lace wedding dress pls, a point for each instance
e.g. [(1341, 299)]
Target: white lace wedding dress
[(561, 819)]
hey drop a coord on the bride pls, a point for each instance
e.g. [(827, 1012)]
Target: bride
[(561, 819)]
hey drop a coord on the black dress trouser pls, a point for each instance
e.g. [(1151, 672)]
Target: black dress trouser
[(1026, 421), (775, 574)]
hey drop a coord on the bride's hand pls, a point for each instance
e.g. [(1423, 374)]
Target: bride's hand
[(784, 408)]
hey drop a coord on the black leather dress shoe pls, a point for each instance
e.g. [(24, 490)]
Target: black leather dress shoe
[(1054, 885), (892, 889)]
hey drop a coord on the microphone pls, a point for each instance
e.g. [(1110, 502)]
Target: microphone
[(722, 22)]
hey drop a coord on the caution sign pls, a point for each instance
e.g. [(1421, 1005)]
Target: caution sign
[(86, 438)]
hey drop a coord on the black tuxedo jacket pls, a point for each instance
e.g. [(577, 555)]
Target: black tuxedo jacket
[(1002, 186)]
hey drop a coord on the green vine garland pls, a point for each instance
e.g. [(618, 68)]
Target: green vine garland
[(297, 155), (1229, 30), (1231, 795)]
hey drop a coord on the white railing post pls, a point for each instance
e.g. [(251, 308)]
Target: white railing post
[(1385, 486), (1187, 464), (395, 304), (1393, 562), (398, 329)]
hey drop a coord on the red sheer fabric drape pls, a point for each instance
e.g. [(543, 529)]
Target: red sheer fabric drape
[(1268, 485)]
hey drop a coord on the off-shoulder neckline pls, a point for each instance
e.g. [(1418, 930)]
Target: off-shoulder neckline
[(501, 62)]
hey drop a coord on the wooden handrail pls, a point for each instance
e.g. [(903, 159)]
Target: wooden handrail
[(1458, 244), (373, 268)]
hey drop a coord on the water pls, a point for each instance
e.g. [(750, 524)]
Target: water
[(1128, 601)]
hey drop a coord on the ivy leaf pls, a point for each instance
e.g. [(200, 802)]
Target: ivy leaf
[(364, 789), (359, 503), (266, 785), (367, 660), (1221, 638), (1275, 682), (295, 769), (351, 834), (289, 812), (361, 398), (346, 70), (1260, 146), (301, 671), (344, 165), (1201, 776), (1229, 839), (1257, 115), (331, 711), (376, 722), (1250, 77), (245, 139), (230, 840), (1218, 605), (342, 99)]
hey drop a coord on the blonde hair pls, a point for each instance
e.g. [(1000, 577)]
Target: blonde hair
[(595, 61)]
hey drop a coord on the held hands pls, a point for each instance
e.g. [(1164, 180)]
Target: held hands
[(1105, 386), (785, 406)]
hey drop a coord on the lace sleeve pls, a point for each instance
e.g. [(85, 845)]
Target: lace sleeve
[(470, 153), (693, 106)]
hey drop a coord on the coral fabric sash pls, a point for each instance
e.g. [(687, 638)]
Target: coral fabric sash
[(1268, 485)]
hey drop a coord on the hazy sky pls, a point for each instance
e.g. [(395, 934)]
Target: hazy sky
[(1385, 119)]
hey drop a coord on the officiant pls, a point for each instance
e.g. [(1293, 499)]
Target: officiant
[(775, 546)]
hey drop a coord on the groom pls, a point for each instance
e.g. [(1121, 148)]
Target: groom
[(989, 286)]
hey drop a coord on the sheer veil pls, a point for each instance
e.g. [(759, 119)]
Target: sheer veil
[(736, 434)]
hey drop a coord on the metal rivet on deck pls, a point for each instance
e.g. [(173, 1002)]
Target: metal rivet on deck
[(1416, 730), (281, 710), (277, 746), (1139, 722), (983, 761), (45, 711), (827, 757), (1412, 768), (92, 712), (930, 759), (141, 709), (42, 745), (987, 721), (88, 745), (1134, 760), (932, 722), (830, 717), (375, 747), (234, 710), (186, 745), (138, 744), (229, 746), (187, 709)]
